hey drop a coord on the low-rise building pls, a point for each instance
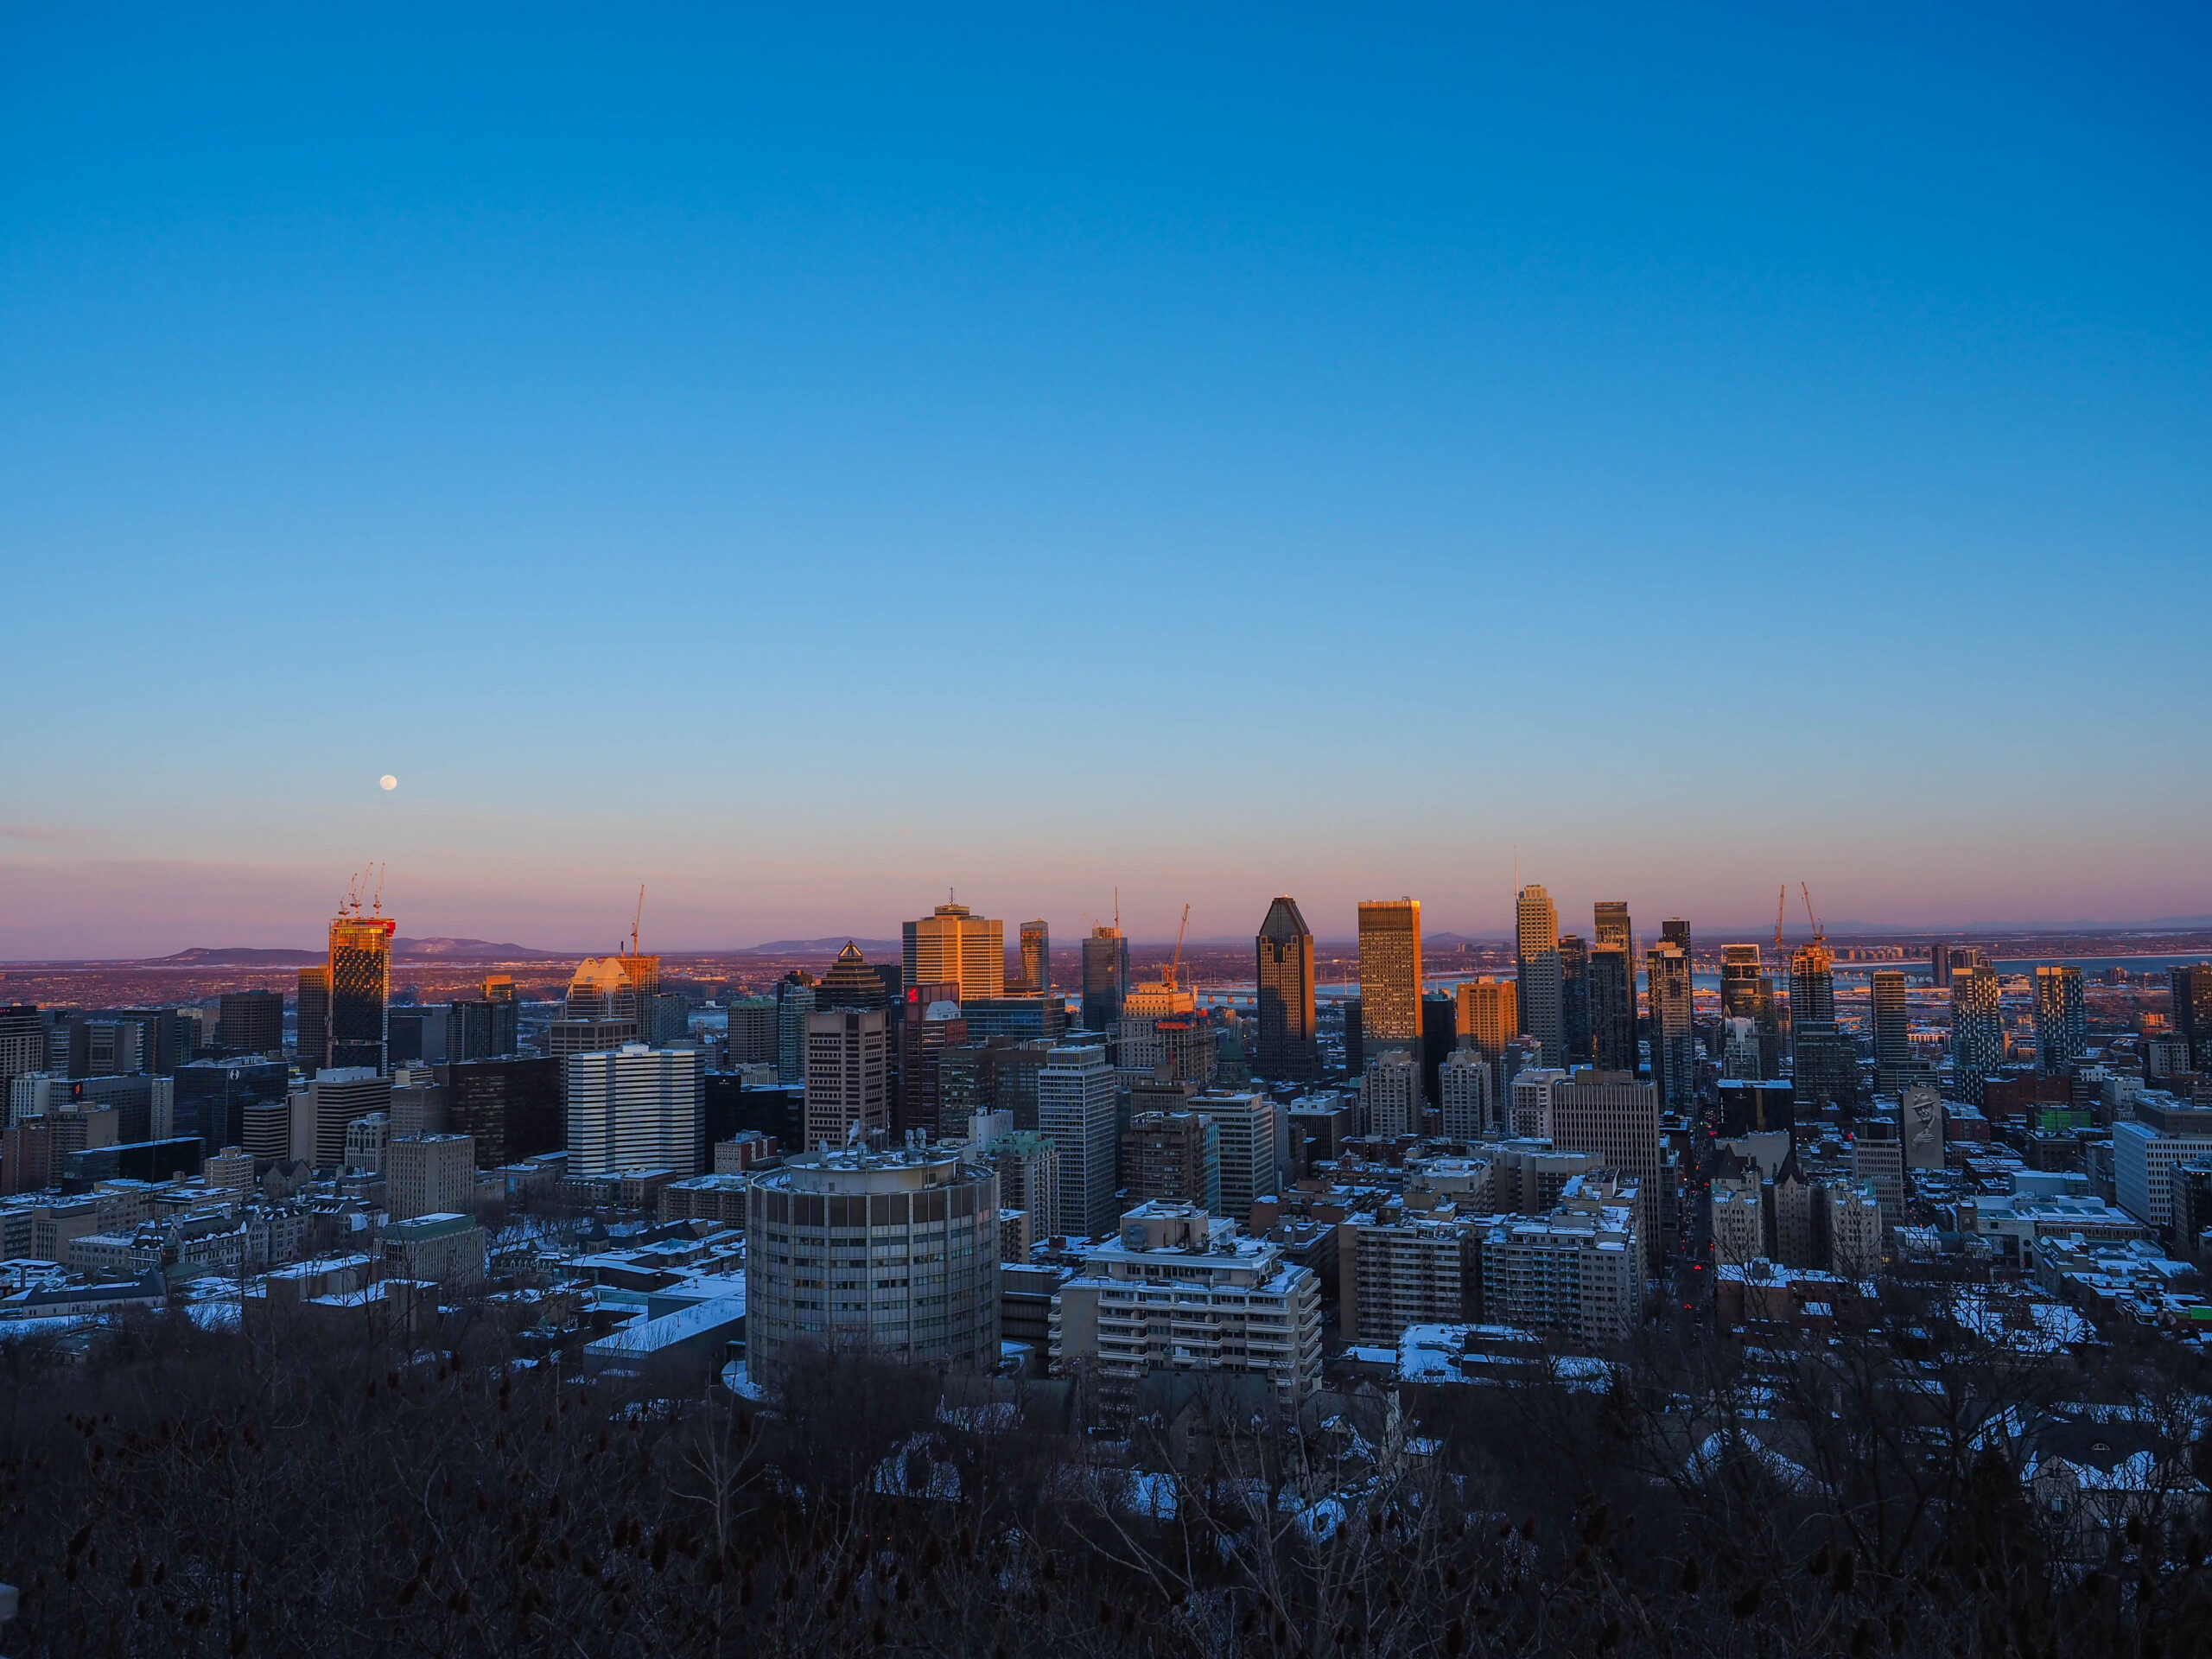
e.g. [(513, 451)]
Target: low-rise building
[(1180, 1290), (1577, 1271)]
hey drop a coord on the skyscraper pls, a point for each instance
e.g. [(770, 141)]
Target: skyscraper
[(1747, 993), (1676, 931), (1246, 1126), (250, 1022), (2192, 1016), (1036, 958), (1463, 1094), (794, 1002), (1390, 974), (635, 1108), (360, 986), (2061, 1024), (1939, 966), (1075, 1112), (1173, 1155), (1617, 1118), (1575, 997), (851, 984), (1674, 1042), (1537, 947), (1105, 979), (1439, 1035), (1286, 1050), (1977, 1030), (1610, 917), (313, 1043), (933, 1025), (1893, 1029), (1812, 986), (848, 1075), (1611, 976), (1489, 1016), (954, 945)]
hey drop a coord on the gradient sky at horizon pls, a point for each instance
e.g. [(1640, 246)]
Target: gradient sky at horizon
[(804, 459)]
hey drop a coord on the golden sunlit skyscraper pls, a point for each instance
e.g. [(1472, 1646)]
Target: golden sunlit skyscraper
[(953, 946), (1389, 973), (1489, 1016), (1536, 944), (360, 986)]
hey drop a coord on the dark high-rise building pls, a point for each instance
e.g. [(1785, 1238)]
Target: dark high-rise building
[(2062, 1022), (313, 1042), (1285, 1051), (1747, 993), (511, 1105), (1812, 986), (752, 1030), (1439, 1035), (164, 1038), (1611, 982), (484, 1029), (930, 1023), (1674, 1042), (23, 1041), (1036, 958), (360, 988), (212, 1096), (1676, 931), (408, 1036), (1610, 916), (1574, 997), (1171, 1155), (1355, 1038), (1939, 966), (2192, 1015), (249, 1022), (851, 984), (1824, 1068), (1893, 1029), (1105, 979)]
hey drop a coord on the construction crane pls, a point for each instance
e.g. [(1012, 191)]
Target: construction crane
[(377, 909), (638, 919), (1780, 909), (1820, 935), (1175, 968)]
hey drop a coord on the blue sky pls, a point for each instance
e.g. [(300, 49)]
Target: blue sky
[(802, 459)]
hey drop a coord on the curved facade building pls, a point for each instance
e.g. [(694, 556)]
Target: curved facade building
[(896, 1253)]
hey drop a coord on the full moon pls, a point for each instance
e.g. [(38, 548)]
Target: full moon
[(387, 782)]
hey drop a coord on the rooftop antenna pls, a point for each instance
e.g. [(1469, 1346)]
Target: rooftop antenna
[(1117, 907)]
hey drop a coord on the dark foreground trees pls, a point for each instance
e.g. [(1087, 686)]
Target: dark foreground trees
[(189, 1492)]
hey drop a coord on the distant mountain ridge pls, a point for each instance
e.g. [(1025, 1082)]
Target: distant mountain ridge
[(239, 956), (833, 943)]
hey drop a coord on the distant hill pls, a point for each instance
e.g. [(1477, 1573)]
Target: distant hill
[(476, 951), (834, 944), (239, 956), (234, 955)]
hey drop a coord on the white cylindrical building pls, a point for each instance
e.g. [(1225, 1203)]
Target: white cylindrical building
[(893, 1253)]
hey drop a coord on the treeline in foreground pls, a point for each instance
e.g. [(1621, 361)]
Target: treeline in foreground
[(182, 1491)]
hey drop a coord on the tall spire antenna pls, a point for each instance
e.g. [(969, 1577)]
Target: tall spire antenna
[(1117, 906)]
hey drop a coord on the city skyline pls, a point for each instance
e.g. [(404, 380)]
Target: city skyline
[(641, 463)]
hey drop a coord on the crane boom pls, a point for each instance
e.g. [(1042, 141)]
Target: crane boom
[(638, 919), (1175, 968), (1780, 909), (1819, 935)]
